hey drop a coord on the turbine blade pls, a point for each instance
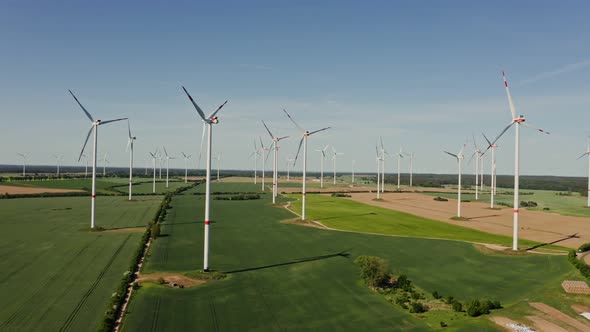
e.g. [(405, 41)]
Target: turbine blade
[(128, 144), (317, 131), (487, 140), (82, 107), (470, 159), (85, 142), (183, 154), (109, 121), (217, 110), (583, 155), (295, 123), (271, 147), (199, 110), (498, 137), (510, 103), (535, 128), (202, 141), (265, 126), (452, 154), (129, 127), (282, 138), (165, 152), (261, 144), (298, 149)]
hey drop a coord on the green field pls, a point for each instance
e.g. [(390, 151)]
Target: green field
[(289, 277), (231, 187), (54, 273), (345, 214), (574, 205)]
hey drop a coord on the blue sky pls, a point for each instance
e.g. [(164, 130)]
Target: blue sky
[(425, 75)]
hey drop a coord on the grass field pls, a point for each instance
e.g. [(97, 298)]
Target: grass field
[(56, 275), (231, 187), (574, 205), (289, 277), (344, 214)]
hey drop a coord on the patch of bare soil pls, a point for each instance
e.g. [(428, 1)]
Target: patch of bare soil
[(503, 321), (586, 258), (169, 278), (560, 316), (534, 225), (126, 230), (542, 324), (580, 308), (33, 190), (195, 178)]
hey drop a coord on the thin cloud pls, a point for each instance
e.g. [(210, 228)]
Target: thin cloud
[(565, 69)]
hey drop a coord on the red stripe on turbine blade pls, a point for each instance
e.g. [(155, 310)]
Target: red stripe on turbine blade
[(207, 222)]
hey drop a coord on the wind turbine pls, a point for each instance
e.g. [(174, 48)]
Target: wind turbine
[(492, 147), (255, 154), (459, 158), (24, 156), (168, 164), (587, 153), (130, 148), (185, 166), (263, 150), (412, 157), (334, 154), (154, 157), (305, 134), (218, 159), (289, 161), (322, 158), (520, 120), (477, 154), (161, 162), (58, 160), (104, 164), (275, 172), (400, 155), (209, 121), (383, 153), (378, 159), (86, 168), (93, 130)]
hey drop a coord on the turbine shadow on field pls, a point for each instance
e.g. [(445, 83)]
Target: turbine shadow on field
[(488, 216), (297, 261), (348, 215), (573, 236)]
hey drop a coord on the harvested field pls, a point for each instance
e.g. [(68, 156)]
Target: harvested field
[(542, 324), (32, 190), (558, 315), (534, 225), (575, 287)]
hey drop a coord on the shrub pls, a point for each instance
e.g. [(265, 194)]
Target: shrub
[(417, 307), (436, 295), (443, 324), (340, 195), (472, 308), (580, 265), (401, 299), (374, 270), (441, 199), (449, 299), (584, 247), (155, 230), (161, 281), (457, 306), (528, 204), (403, 282)]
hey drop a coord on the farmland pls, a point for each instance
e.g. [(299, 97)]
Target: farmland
[(286, 276), (54, 273)]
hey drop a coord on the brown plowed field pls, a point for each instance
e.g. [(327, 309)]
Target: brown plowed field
[(32, 190)]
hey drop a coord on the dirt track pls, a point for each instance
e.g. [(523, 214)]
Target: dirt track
[(533, 225), (32, 190)]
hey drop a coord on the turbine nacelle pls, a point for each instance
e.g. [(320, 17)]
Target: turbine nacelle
[(214, 120), (519, 119)]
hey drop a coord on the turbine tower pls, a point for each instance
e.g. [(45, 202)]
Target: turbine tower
[(334, 154), (383, 153), (155, 158), (587, 153), (218, 159), (288, 163), (492, 147), (104, 164), (263, 150), (378, 159), (275, 170), (459, 158), (93, 130), (168, 164), (255, 154), (58, 160), (186, 157), (400, 155), (130, 148), (322, 158), (209, 121), (24, 156), (520, 120), (305, 134)]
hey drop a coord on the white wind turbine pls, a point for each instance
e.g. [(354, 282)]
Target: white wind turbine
[(218, 160), (209, 121), (378, 158), (492, 147), (477, 154), (58, 160), (520, 120), (168, 157), (383, 153), (104, 164), (255, 154), (24, 156), (353, 161), (186, 158), (289, 161), (86, 167), (263, 150), (130, 148), (161, 162), (587, 153), (400, 155), (155, 158), (334, 155), (459, 158), (275, 172), (322, 158), (305, 134), (93, 130)]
